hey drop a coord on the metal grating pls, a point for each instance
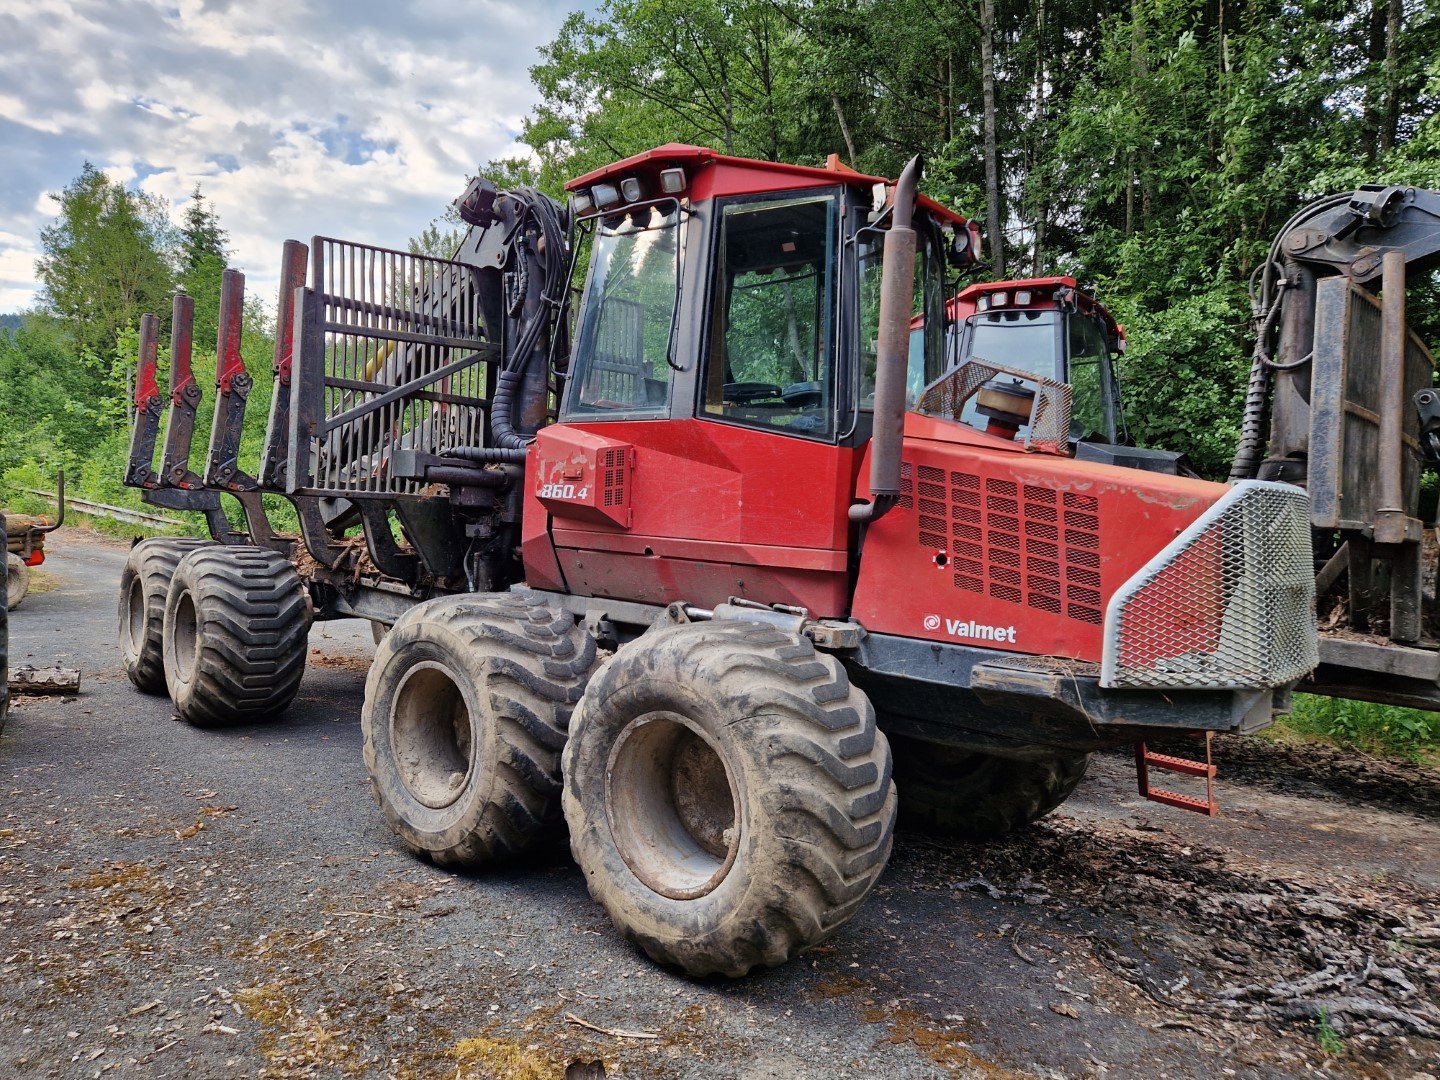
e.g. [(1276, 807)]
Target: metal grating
[(1230, 603), (404, 365), (1023, 543), (1049, 429)]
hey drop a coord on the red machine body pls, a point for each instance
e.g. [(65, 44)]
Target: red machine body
[(989, 545), (710, 511), (1019, 552)]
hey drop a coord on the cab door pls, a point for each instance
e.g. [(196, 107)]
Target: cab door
[(743, 489)]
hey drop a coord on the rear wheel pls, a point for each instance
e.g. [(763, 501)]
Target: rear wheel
[(467, 706), (234, 636), (728, 795), (954, 792), (144, 583), (17, 580)]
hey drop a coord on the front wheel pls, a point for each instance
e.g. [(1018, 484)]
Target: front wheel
[(467, 705), (728, 795), (954, 792)]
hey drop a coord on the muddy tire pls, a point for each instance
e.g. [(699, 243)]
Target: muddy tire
[(234, 635), (467, 706), (728, 795), (952, 792), (17, 581), (144, 584)]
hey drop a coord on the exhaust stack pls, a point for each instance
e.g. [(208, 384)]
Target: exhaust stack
[(897, 300)]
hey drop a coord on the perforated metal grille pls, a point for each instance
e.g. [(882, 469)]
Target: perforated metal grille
[(1049, 430), (1022, 543), (613, 464), (1229, 604)]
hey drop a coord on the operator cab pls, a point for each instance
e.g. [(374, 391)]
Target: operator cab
[(1053, 328)]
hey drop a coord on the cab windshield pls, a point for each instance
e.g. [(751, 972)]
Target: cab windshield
[(622, 362)]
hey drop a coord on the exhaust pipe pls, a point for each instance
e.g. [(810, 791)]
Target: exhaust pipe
[(897, 304)]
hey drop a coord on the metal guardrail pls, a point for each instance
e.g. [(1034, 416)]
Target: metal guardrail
[(119, 513)]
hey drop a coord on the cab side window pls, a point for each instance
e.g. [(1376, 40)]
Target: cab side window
[(771, 358), (1086, 347)]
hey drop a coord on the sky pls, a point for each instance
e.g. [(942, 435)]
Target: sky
[(360, 119)]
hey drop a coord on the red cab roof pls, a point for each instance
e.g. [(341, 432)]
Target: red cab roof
[(711, 173), (962, 305)]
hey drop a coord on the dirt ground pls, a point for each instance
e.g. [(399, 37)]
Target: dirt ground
[(180, 903)]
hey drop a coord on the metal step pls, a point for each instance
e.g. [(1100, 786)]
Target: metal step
[(1146, 759)]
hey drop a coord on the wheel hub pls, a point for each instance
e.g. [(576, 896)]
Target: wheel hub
[(187, 637), (135, 616), (430, 735), (672, 806)]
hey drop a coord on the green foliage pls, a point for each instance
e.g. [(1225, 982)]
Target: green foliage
[(67, 369), (1329, 1040), (107, 259), (1364, 725), (1151, 147)]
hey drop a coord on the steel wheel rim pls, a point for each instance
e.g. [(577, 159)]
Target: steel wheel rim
[(431, 735), (673, 806), (186, 637), (135, 616)]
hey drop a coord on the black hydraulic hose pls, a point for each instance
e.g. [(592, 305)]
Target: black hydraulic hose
[(553, 266), (490, 455), (1257, 395)]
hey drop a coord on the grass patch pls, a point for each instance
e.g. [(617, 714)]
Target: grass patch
[(1364, 725)]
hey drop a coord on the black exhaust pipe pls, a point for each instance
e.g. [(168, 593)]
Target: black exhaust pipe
[(897, 305)]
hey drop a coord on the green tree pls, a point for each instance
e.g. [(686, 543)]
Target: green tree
[(107, 258), (203, 256)]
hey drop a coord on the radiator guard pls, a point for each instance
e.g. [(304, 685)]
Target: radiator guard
[(1229, 604)]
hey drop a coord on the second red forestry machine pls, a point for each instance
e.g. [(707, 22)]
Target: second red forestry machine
[(716, 478)]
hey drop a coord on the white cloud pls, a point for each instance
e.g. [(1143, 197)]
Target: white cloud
[(306, 117)]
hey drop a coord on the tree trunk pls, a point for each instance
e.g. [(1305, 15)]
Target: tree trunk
[(844, 130), (1037, 178), (1390, 129), (992, 153)]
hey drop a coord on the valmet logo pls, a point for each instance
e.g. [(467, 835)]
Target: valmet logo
[(975, 631)]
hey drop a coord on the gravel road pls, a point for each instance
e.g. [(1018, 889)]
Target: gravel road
[(182, 903)]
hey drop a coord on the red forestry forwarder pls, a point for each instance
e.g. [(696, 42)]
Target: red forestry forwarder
[(796, 575)]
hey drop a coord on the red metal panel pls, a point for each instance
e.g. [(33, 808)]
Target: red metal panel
[(1020, 551), (715, 508), (653, 579)]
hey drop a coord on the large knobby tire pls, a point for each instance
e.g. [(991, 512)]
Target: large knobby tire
[(948, 791), (467, 706), (144, 584), (17, 580), (235, 633), (728, 795)]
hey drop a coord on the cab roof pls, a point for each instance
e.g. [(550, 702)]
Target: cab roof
[(710, 173), (1043, 289)]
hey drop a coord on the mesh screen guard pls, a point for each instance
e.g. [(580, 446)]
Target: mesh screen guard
[(1229, 604), (1049, 427)]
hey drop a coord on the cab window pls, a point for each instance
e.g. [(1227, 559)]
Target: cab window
[(1087, 349), (926, 359), (622, 363), (771, 360)]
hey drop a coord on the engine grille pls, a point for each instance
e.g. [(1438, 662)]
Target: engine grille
[(1230, 603), (1021, 543)]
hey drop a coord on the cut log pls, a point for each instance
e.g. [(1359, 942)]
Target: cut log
[(56, 680)]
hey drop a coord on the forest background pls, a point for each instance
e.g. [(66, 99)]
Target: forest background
[(1151, 148)]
